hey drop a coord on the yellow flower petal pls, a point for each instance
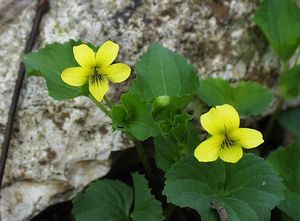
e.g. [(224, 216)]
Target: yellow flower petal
[(220, 119), (107, 53), (208, 150), (84, 56), (76, 76), (231, 154), (99, 88), (246, 137), (116, 72)]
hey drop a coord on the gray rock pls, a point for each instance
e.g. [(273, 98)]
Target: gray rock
[(59, 147)]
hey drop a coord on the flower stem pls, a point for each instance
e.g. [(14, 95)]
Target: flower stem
[(297, 58), (100, 105), (144, 160), (168, 211), (107, 101), (146, 165), (142, 155), (280, 103), (222, 212), (137, 144), (273, 118)]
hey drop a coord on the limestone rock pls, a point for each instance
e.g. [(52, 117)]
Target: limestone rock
[(59, 147)]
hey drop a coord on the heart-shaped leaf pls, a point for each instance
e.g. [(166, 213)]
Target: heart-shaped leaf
[(289, 120), (279, 20), (49, 63), (290, 82), (112, 200), (286, 162), (247, 190), (179, 142), (161, 72), (135, 116), (249, 98), (146, 207), (103, 200)]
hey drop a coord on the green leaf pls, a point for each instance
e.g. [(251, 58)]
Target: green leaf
[(286, 162), (178, 143), (112, 200), (146, 207), (290, 82), (247, 190), (279, 20), (167, 152), (289, 120), (249, 98), (49, 63), (174, 123), (103, 200), (135, 116), (215, 91), (290, 205), (161, 72)]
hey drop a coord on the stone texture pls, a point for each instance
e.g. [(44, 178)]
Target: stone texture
[(59, 147)]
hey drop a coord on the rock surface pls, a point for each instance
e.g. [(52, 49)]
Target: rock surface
[(59, 147)]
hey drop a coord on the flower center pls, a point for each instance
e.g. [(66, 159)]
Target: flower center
[(96, 78), (227, 143)]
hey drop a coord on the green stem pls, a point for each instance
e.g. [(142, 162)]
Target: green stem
[(100, 105), (285, 66), (107, 101), (278, 108), (273, 118), (297, 58), (144, 160), (168, 211), (138, 146), (142, 156)]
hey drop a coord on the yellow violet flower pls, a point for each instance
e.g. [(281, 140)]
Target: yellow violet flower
[(227, 139), (96, 68)]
